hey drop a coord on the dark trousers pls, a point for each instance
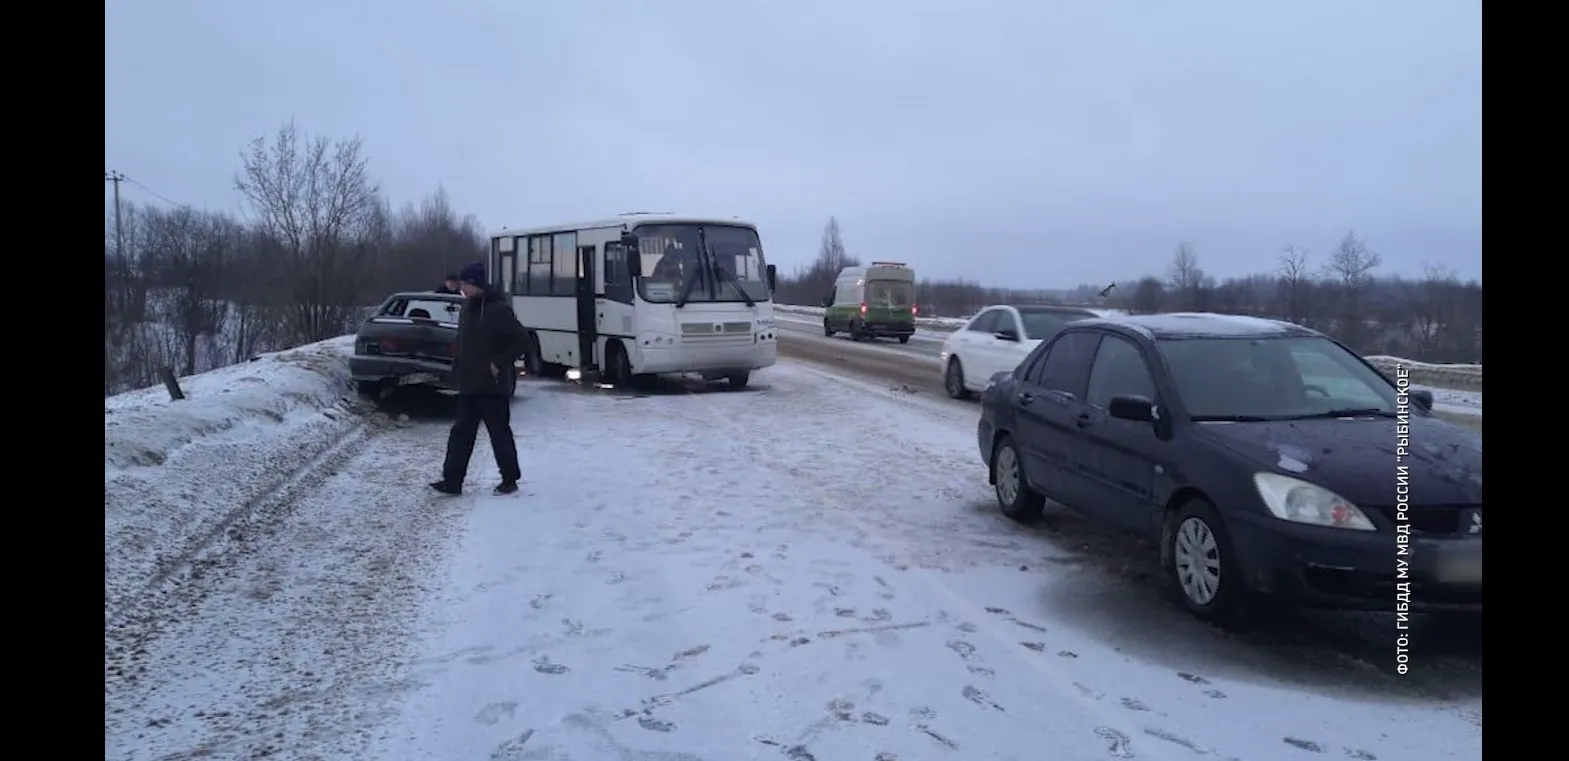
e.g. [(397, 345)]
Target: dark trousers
[(495, 411)]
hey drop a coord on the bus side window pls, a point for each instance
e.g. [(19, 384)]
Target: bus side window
[(618, 274)]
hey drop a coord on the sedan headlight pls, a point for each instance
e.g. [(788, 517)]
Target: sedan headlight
[(1292, 499)]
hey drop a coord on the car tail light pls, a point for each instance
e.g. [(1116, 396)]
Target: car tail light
[(452, 349), (915, 309), (389, 345), (863, 309)]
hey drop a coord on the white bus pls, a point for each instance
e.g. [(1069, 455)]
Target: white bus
[(641, 294)]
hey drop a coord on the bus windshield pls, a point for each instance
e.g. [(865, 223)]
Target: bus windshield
[(672, 253)]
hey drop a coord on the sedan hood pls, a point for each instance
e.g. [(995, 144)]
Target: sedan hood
[(1356, 458)]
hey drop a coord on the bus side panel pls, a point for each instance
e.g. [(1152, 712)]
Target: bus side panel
[(554, 320)]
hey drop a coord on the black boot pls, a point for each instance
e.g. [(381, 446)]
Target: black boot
[(446, 487), (506, 487)]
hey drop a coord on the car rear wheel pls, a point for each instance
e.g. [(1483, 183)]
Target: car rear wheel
[(827, 329), (1014, 495), (953, 380), (1201, 564), (904, 339)]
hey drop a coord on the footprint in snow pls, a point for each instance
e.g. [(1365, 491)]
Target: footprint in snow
[(1307, 745), (1036, 646), (495, 712), (1161, 734), (782, 617), (1067, 654), (544, 666), (1118, 743), (1215, 694), (616, 577), (1359, 755), (654, 725), (691, 652), (1192, 678), (980, 698), (539, 603), (512, 748), (875, 719), (1134, 705)]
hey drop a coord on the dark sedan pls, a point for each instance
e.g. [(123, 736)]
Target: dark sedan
[(1262, 457), (409, 341)]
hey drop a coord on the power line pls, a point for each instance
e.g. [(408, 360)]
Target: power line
[(154, 193)]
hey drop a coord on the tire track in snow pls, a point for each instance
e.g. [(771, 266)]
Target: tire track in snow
[(304, 616)]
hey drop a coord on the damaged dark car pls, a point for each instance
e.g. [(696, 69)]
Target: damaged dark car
[(1265, 460), (409, 341)]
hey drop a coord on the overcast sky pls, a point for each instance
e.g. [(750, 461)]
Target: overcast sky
[(1024, 142)]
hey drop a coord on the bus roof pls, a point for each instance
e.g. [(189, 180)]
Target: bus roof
[(624, 221)]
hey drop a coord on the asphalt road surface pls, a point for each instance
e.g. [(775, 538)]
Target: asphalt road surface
[(1315, 649)]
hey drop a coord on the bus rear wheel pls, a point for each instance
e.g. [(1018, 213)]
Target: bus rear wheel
[(738, 380)]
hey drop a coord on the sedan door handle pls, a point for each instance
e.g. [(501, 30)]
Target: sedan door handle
[(1083, 421), (1026, 400)]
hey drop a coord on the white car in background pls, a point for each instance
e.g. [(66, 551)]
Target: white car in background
[(997, 339)]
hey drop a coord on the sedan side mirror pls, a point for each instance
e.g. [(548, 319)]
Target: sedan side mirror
[(1006, 335), (1129, 407), (1424, 398)]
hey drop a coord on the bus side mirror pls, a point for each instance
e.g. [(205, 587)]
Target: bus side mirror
[(773, 278), (629, 243)]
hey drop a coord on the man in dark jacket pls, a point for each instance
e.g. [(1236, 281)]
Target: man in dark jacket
[(490, 340), (450, 285)]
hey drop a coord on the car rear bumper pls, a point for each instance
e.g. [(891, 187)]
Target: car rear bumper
[(888, 328), (1337, 568), (372, 369)]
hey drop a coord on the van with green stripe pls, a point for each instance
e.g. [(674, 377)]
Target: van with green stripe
[(874, 301)]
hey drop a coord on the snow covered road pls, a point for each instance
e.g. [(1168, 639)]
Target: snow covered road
[(811, 569)]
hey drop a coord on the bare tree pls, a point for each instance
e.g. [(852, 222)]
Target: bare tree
[(1350, 267), (830, 252), (1186, 278), (314, 199), (1295, 282)]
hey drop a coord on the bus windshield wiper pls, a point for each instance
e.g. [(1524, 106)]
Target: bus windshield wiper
[(724, 275), (686, 287)]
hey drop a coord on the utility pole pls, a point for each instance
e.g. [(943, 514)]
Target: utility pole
[(119, 238)]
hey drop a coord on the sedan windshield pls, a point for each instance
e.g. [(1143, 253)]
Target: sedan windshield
[(1273, 379), (717, 259)]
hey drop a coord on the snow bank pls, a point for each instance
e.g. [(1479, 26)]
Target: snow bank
[(176, 471), (1465, 377)]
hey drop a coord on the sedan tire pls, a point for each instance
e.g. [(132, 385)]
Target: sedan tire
[(1014, 495), (1201, 563), (953, 380)]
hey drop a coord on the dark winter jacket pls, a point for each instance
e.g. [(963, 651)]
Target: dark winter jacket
[(488, 336)]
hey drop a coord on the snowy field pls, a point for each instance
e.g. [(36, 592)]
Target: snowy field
[(813, 569)]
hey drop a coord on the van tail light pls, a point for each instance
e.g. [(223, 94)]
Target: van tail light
[(915, 309), (863, 309)]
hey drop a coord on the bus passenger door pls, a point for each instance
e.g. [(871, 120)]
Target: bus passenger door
[(587, 315)]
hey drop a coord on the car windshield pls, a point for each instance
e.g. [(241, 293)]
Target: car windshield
[(1273, 378), (1044, 325), (890, 294), (673, 253)]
